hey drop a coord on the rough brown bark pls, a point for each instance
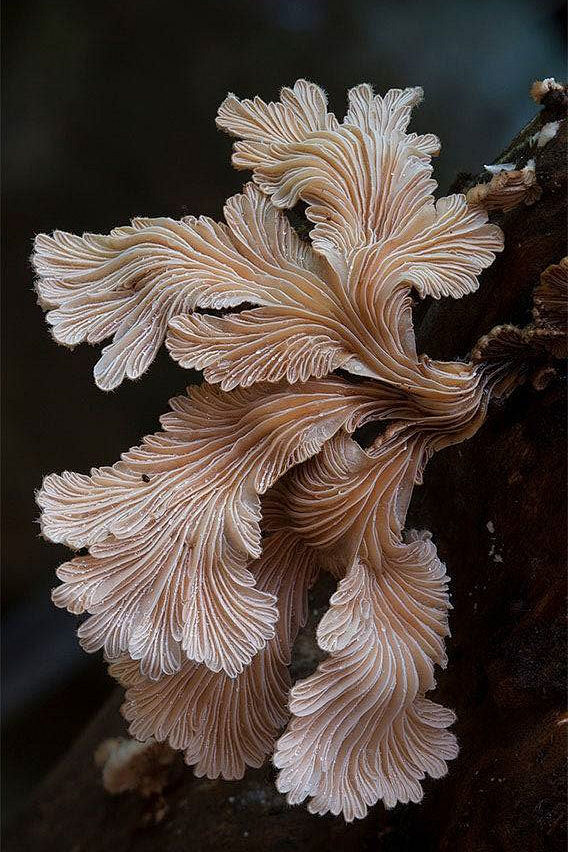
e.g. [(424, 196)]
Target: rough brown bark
[(496, 507)]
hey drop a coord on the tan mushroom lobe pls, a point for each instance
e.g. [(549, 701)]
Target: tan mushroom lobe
[(507, 189)]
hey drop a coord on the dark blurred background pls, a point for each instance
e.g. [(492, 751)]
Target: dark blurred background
[(109, 112)]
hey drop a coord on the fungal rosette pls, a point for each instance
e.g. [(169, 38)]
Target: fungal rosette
[(204, 541)]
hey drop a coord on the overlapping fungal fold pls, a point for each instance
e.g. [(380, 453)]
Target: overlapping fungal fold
[(221, 724), (204, 540), (172, 526), (384, 632)]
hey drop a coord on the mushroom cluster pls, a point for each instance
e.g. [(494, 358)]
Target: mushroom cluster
[(204, 540)]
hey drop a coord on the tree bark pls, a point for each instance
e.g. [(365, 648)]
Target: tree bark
[(496, 508)]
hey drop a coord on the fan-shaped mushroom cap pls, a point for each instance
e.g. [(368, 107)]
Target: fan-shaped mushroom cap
[(361, 728), (507, 189), (223, 725), (341, 302), (546, 336), (172, 526)]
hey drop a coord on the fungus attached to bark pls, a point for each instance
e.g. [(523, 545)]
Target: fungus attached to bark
[(204, 540), (533, 349), (142, 767), (507, 188), (541, 89)]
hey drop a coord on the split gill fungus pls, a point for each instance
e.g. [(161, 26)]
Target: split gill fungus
[(204, 540)]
